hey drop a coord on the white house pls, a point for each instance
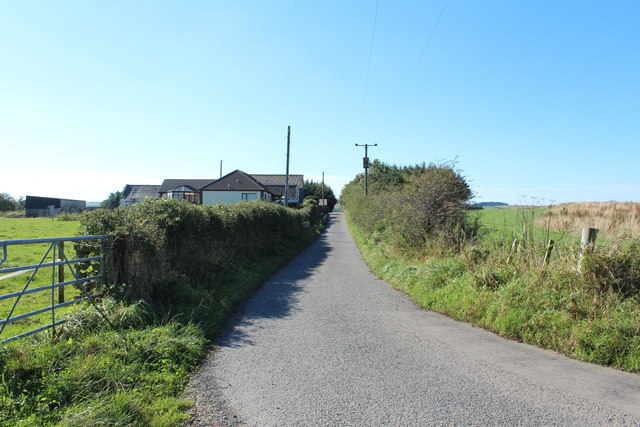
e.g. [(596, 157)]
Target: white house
[(234, 187)]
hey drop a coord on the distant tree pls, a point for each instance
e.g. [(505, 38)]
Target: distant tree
[(7, 203), (113, 201), (312, 188)]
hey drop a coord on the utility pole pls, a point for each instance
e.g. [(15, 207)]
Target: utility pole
[(220, 168), (365, 165), (286, 179), (323, 203)]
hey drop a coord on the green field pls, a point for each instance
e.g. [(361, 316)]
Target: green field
[(519, 222), (19, 255)]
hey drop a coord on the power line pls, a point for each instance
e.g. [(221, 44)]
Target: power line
[(412, 75), (366, 80)]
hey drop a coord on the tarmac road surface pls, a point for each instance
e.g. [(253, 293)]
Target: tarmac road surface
[(324, 342)]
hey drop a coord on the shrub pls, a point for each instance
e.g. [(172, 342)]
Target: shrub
[(420, 206), (617, 271), (161, 243)]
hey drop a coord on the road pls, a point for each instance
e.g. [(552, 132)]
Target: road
[(324, 342)]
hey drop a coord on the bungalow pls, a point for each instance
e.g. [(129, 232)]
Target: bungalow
[(234, 187), (184, 189)]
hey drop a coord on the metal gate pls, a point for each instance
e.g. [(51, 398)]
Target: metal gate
[(82, 268)]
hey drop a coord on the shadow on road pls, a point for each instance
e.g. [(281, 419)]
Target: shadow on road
[(277, 298)]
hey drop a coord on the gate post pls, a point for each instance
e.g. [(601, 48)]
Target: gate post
[(61, 274)]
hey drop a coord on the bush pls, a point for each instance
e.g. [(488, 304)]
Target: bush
[(617, 271), (416, 206), (66, 216), (163, 243), (433, 204)]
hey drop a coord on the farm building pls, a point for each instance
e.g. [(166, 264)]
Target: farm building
[(50, 206), (133, 194)]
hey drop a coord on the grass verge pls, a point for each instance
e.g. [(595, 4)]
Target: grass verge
[(132, 369), (579, 315)]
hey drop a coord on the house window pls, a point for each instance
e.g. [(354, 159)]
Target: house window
[(188, 196), (249, 196)]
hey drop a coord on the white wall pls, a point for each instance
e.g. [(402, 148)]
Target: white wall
[(226, 197)]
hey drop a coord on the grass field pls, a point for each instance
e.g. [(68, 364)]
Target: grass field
[(19, 255), (617, 223), (518, 222)]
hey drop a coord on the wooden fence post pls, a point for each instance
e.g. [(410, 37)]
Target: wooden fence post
[(547, 255), (61, 274), (587, 243)]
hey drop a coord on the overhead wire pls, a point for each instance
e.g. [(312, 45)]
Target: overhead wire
[(366, 81), (413, 72)]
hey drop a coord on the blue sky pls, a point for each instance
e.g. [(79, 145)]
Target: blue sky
[(535, 99)]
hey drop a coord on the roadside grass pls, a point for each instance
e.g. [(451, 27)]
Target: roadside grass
[(581, 315), (130, 369), (19, 255), (125, 373)]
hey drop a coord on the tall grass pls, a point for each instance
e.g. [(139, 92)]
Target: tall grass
[(614, 219)]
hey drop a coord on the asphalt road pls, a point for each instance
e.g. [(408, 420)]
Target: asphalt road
[(325, 342)]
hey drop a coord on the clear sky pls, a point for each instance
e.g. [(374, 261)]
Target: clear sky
[(533, 98)]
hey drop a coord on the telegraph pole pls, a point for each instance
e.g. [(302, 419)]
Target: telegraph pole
[(366, 164), (286, 179), (323, 203)]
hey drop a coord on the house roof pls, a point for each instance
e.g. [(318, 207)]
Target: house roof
[(140, 191), (235, 181), (276, 184), (196, 184), (182, 189), (277, 180)]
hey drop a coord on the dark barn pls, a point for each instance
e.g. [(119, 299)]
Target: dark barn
[(50, 206)]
